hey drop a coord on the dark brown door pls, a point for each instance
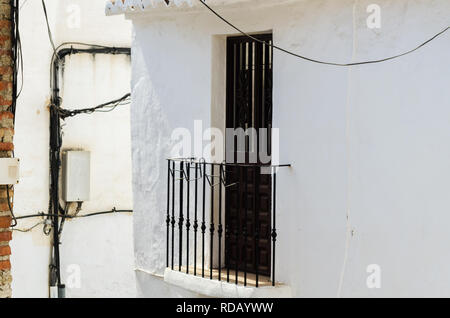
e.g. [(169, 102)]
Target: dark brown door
[(248, 204)]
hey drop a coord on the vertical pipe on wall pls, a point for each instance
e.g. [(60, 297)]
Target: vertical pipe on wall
[(55, 163), (55, 142)]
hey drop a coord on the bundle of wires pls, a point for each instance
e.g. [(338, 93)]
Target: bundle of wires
[(16, 54), (105, 107), (17, 59)]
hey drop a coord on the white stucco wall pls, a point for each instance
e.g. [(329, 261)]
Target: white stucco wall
[(370, 169), (101, 247)]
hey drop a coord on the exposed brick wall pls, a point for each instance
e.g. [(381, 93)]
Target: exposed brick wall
[(6, 142)]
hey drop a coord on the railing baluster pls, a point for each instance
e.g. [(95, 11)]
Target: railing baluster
[(234, 230), (256, 177), (211, 229), (180, 222), (244, 226), (227, 231), (173, 212), (168, 213), (188, 221), (274, 228), (195, 221), (238, 255), (203, 220), (220, 229)]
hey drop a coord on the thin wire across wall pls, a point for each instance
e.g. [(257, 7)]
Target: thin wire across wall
[(29, 229), (112, 211), (50, 36), (316, 60), (67, 216)]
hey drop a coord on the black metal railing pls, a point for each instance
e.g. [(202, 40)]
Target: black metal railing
[(211, 181)]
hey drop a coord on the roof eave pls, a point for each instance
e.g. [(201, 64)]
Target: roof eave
[(137, 6)]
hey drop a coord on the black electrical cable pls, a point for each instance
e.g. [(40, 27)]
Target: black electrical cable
[(102, 213), (28, 229), (14, 224), (50, 36), (55, 53), (315, 60), (54, 210), (113, 211), (62, 51), (63, 218), (56, 137), (18, 62), (55, 164), (17, 57), (124, 100)]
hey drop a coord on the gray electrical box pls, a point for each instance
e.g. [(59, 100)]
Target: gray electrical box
[(76, 176)]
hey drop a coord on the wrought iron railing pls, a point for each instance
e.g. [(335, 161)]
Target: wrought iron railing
[(190, 184)]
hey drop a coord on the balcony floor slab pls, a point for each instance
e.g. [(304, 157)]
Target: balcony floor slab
[(222, 289)]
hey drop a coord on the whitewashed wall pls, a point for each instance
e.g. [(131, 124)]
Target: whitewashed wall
[(101, 247), (368, 144)]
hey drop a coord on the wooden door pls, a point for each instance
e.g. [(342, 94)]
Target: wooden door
[(248, 204)]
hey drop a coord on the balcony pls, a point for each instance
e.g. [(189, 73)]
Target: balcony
[(221, 221)]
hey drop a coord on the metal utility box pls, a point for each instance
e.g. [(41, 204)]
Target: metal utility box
[(9, 171), (76, 176)]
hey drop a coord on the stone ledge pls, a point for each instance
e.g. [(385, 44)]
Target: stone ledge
[(220, 289)]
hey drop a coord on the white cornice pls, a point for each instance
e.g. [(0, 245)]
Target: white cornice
[(129, 6), (114, 7)]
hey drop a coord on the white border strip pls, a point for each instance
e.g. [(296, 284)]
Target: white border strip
[(128, 6)]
